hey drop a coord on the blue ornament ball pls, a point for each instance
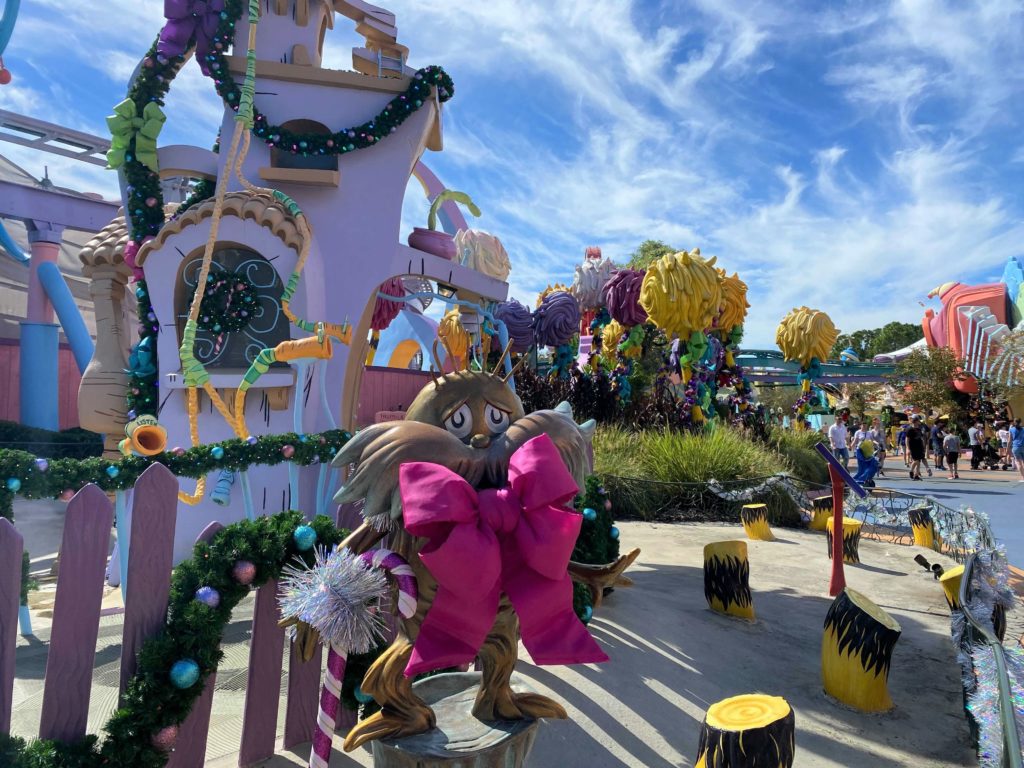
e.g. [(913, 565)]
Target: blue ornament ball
[(217, 452), (113, 471), (252, 439), (590, 514), (305, 538), (208, 596), (42, 465), (614, 532), (362, 698), (13, 484), (184, 673), (588, 614)]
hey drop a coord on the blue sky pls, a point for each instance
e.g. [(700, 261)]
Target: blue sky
[(850, 157)]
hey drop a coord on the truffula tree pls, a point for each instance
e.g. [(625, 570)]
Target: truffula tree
[(598, 542)]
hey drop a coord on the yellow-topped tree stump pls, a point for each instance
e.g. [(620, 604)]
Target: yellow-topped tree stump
[(821, 512), (923, 526), (748, 731), (755, 522), (727, 579), (856, 652), (851, 539), (951, 581)]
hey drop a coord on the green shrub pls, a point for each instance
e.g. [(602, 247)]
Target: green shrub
[(74, 443), (797, 448)]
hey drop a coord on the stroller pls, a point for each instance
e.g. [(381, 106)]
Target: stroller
[(990, 458)]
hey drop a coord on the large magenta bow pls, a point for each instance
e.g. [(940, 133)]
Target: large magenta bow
[(515, 540), (187, 19)]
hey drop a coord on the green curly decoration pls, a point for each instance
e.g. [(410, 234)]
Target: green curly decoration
[(193, 630)]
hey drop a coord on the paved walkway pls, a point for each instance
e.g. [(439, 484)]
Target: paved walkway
[(672, 658)]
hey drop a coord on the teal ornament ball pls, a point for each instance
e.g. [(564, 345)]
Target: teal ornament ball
[(614, 532), (217, 452), (588, 614), (362, 698), (589, 514), (305, 538), (113, 471), (13, 484), (184, 674)]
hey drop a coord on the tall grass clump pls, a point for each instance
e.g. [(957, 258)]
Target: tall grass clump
[(797, 448), (663, 474)]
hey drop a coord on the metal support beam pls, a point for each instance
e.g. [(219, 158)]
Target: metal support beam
[(49, 137), (18, 201)]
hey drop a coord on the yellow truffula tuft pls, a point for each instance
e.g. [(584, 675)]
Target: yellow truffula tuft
[(681, 293), (856, 651), (804, 334), (734, 302), (454, 336), (611, 335), (851, 538), (552, 289), (755, 522), (727, 579), (749, 730)]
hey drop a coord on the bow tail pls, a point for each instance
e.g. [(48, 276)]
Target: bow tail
[(551, 632), (452, 632)]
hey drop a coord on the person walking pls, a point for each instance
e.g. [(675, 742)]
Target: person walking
[(879, 436), (838, 439), (1017, 446), (936, 433), (1003, 433), (916, 446), (974, 437), (901, 444), (951, 446)]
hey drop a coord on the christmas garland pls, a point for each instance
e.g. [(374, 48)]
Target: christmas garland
[(145, 202), (228, 300), (174, 665), (30, 477)]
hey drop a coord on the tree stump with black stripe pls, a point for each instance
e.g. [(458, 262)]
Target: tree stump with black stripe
[(748, 731), (951, 581), (856, 652), (851, 539), (923, 526), (727, 579), (755, 522)]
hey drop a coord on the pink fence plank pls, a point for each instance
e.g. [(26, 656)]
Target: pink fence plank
[(76, 615), (191, 746), (259, 726), (11, 547), (154, 509), (303, 697)]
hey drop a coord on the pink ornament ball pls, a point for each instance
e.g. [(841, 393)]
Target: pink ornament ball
[(244, 572), (165, 739), (608, 505), (288, 451), (67, 494), (177, 450)]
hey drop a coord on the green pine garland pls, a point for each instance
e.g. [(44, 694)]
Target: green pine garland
[(193, 630), (595, 545), (228, 302), (72, 474)]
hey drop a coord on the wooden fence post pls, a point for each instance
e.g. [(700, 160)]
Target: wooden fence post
[(76, 615), (11, 547), (262, 691)]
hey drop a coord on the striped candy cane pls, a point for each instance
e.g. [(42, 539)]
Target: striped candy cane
[(330, 693)]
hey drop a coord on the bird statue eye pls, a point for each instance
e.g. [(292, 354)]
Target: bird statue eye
[(497, 419), (460, 423)]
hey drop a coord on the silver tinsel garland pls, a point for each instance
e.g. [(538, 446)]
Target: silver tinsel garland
[(340, 597)]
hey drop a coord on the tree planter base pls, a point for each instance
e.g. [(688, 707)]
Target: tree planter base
[(856, 652), (746, 732), (851, 539), (460, 740), (821, 512), (727, 579), (923, 526), (438, 243), (755, 522)]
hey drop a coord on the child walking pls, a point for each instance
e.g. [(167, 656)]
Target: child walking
[(951, 447)]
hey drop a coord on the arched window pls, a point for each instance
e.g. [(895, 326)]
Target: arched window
[(245, 286), (282, 159)]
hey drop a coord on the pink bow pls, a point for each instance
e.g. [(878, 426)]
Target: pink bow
[(515, 540)]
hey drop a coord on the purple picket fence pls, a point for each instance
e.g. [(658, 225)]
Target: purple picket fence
[(76, 617)]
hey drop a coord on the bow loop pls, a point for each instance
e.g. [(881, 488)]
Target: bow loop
[(188, 20)]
